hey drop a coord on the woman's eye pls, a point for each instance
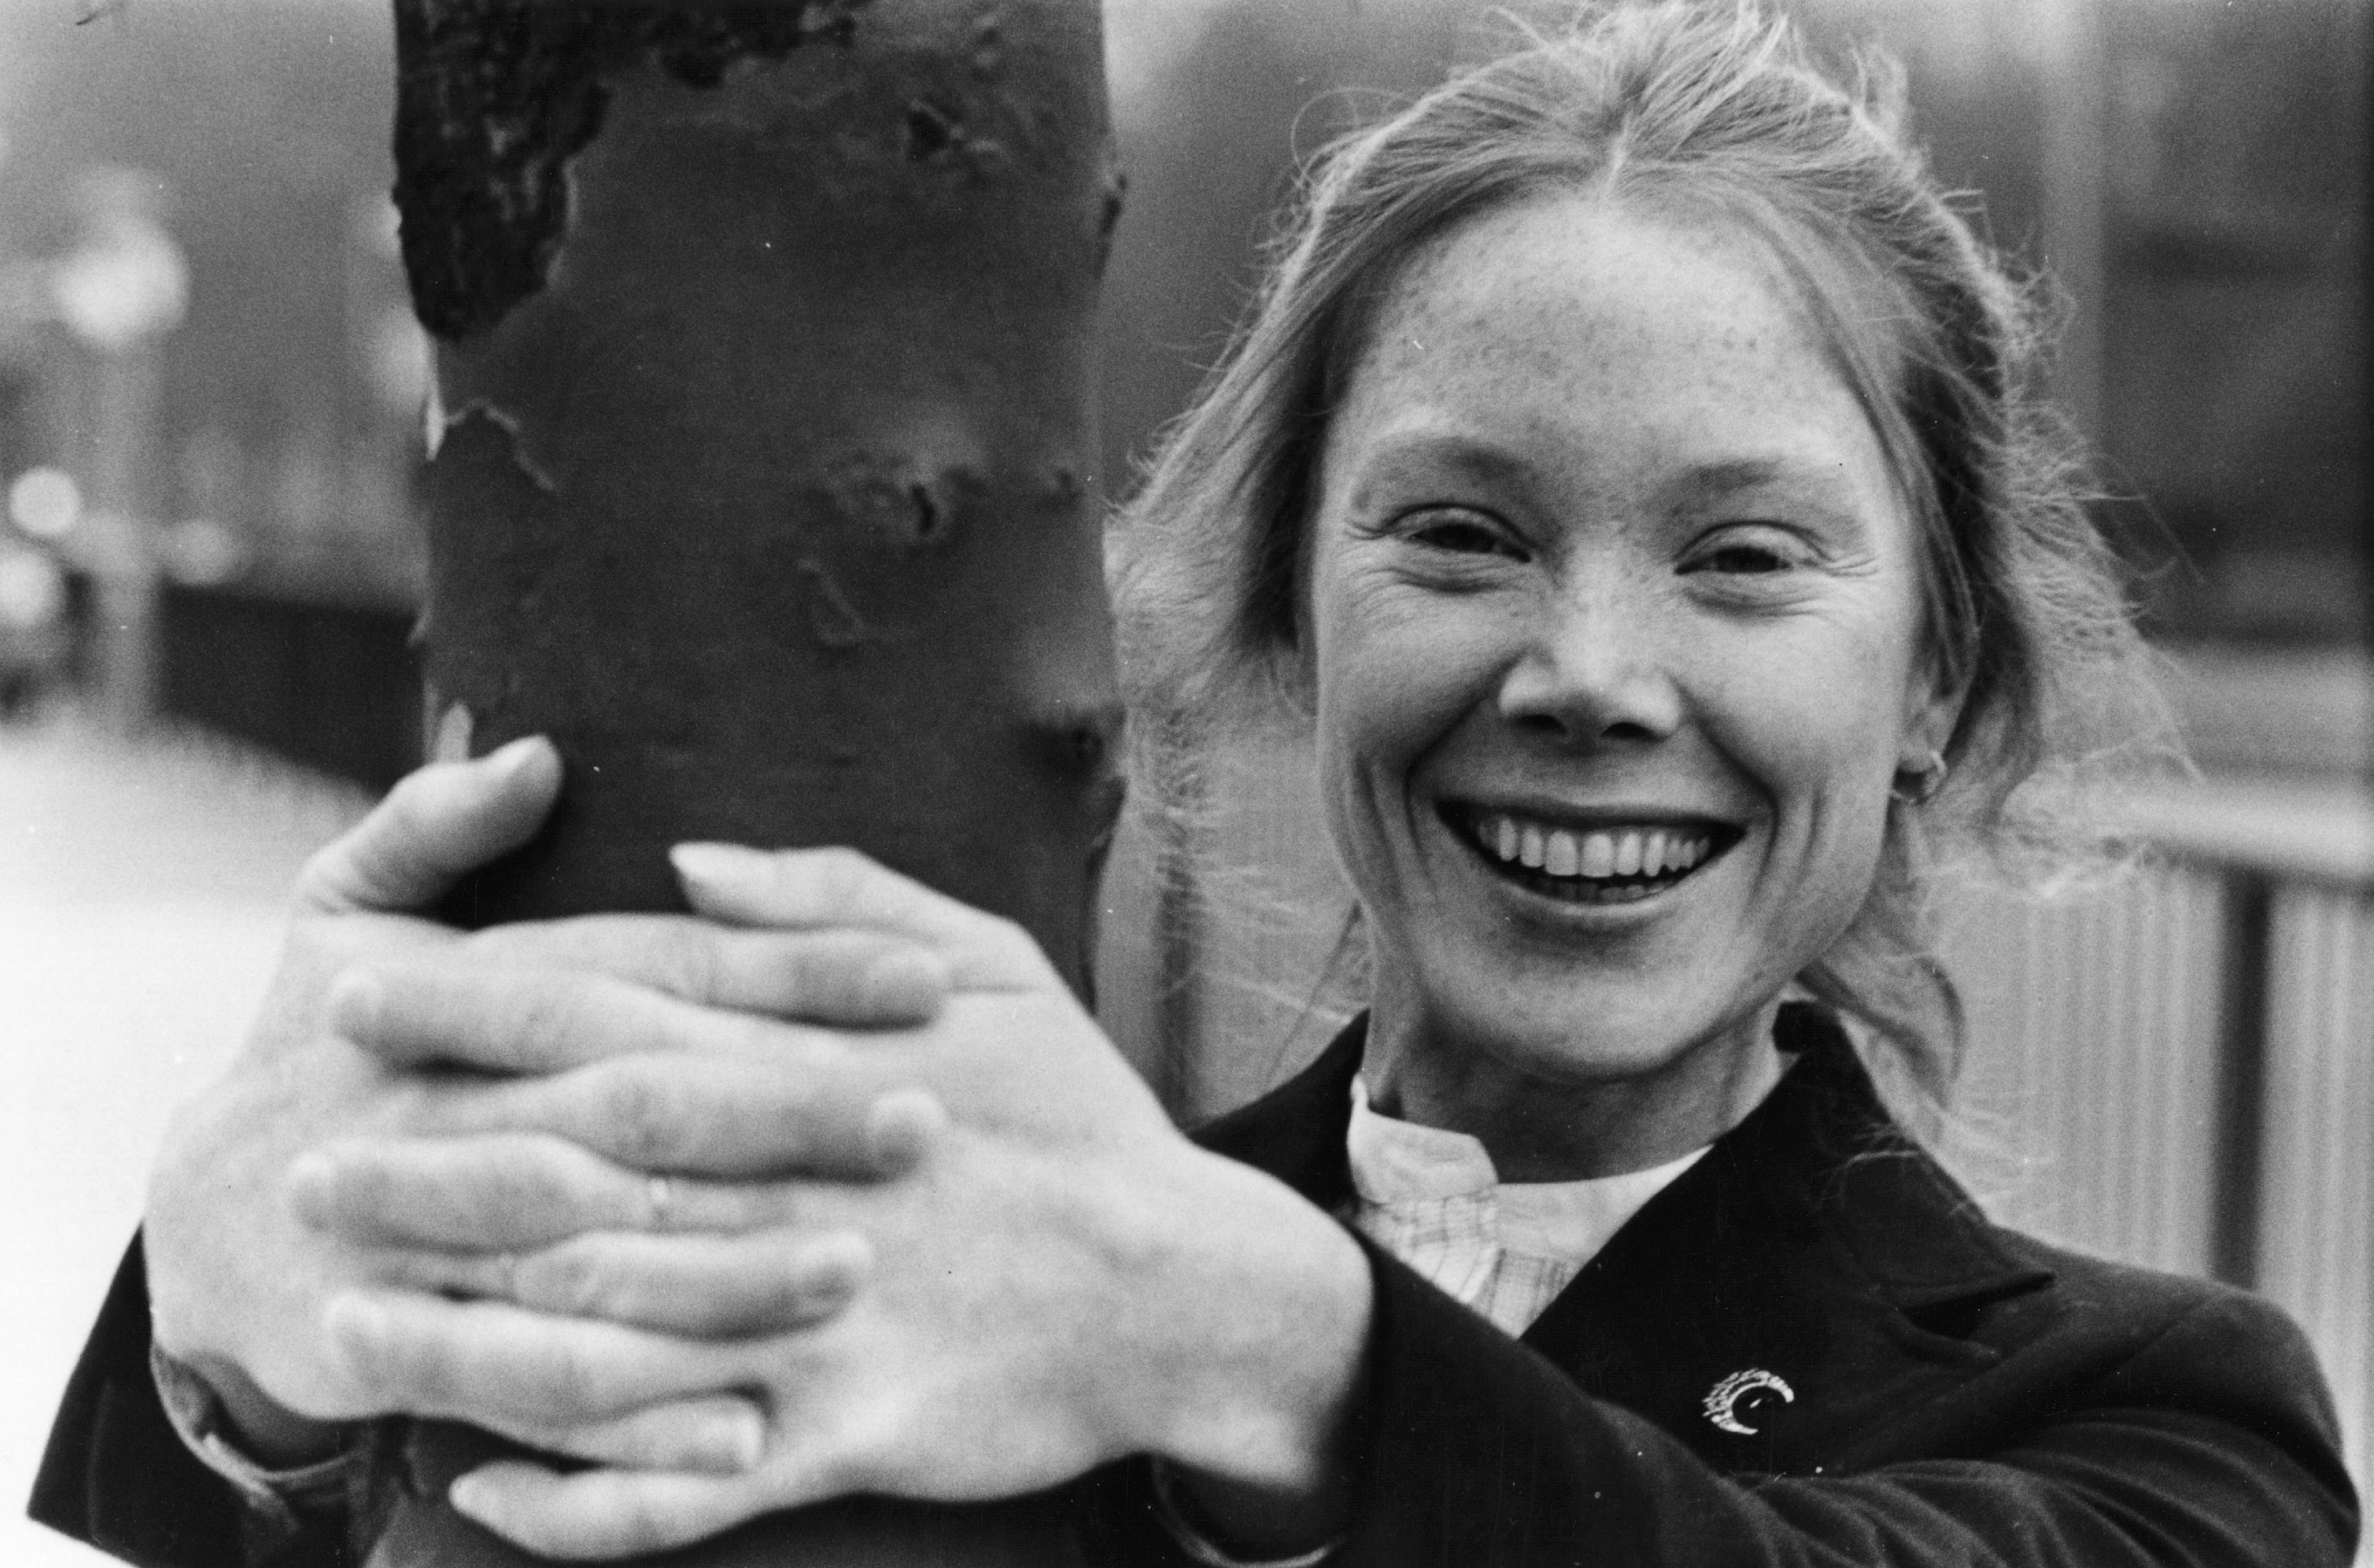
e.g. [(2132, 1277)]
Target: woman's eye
[(1748, 557), (1743, 559), (1460, 534)]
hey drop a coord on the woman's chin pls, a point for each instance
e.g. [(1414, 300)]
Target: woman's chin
[(1563, 1023), (1582, 989)]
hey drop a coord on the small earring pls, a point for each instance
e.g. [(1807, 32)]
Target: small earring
[(1924, 781)]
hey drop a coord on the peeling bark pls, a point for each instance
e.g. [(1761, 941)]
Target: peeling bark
[(765, 488), (493, 100)]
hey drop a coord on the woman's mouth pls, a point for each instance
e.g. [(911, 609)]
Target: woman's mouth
[(1608, 863)]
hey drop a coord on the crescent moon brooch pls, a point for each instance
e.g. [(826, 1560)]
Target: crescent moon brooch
[(1722, 1401)]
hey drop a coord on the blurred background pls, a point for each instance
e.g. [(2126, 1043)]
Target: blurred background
[(210, 392)]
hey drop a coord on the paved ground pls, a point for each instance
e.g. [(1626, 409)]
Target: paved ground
[(140, 892)]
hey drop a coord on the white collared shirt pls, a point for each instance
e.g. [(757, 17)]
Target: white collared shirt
[(1432, 1199)]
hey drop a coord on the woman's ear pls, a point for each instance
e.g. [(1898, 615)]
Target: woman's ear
[(1932, 702)]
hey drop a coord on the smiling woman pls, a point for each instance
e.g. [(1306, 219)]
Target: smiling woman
[(1628, 484), (1605, 558), (1801, 205)]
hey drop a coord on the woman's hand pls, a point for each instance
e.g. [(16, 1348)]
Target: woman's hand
[(242, 1288), (1057, 1279)]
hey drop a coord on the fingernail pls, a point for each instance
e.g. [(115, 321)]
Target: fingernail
[(740, 1441), (514, 754), (357, 998), (452, 742), (909, 983), (355, 1325), (841, 1262), (469, 1496), (715, 863), (901, 1126), (313, 1182)]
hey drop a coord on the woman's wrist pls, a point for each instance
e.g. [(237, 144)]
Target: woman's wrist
[(1268, 1301), (258, 1426)]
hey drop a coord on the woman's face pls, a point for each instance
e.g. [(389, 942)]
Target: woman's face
[(1615, 642)]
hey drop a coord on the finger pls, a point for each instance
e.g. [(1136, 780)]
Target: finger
[(902, 1129), (806, 888), (517, 1020), (715, 1287), (514, 1193), (437, 824), (501, 1365), (501, 1192), (452, 740), (720, 1435), (608, 1513), (801, 889), (728, 1117), (848, 977)]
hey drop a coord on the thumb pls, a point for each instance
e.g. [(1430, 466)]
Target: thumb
[(440, 823)]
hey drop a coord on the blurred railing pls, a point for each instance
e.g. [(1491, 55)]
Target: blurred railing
[(327, 683), (2180, 1070)]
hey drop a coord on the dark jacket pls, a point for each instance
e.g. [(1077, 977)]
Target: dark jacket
[(1959, 1394), (1935, 1390)]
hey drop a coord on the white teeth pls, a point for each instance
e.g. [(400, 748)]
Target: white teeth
[(1566, 852), (1627, 855), (1598, 855)]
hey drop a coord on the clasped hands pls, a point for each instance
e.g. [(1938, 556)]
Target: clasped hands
[(831, 1188)]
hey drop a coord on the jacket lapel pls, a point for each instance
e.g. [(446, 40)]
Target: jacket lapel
[(1295, 1132), (1786, 1292)]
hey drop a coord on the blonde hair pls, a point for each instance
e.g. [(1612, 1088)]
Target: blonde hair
[(1709, 110)]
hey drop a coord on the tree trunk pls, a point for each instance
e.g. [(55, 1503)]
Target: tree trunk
[(763, 482)]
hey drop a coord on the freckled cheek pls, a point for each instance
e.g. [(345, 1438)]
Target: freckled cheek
[(1395, 672), (1819, 732), (1372, 729), (1814, 764), (1391, 689)]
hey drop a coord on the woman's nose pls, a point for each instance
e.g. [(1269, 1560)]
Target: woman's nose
[(1594, 666)]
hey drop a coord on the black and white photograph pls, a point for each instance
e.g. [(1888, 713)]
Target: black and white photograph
[(1186, 783)]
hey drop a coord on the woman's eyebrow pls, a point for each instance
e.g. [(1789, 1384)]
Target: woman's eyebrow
[(1716, 479), (1817, 481), (1433, 455)]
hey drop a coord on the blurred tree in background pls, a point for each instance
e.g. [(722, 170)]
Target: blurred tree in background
[(288, 412)]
